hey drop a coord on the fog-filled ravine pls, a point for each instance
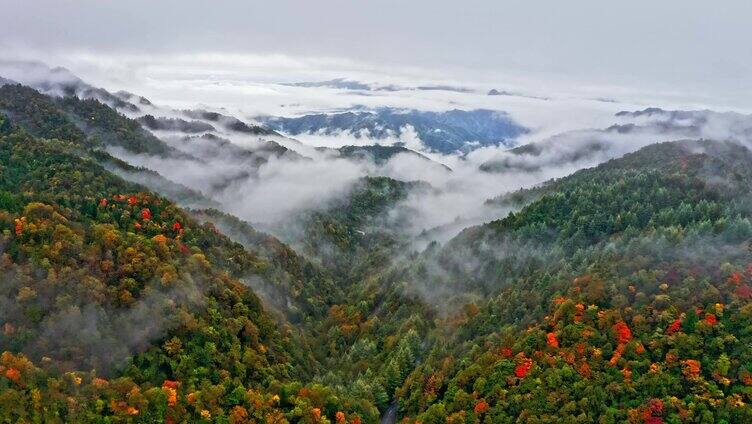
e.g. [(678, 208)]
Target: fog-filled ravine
[(364, 212), (226, 246), (268, 169)]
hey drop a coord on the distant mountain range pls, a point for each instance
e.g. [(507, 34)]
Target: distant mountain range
[(495, 92), (586, 147), (354, 85), (340, 83), (445, 132), (346, 84)]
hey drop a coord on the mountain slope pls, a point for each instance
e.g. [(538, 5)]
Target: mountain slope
[(87, 122), (617, 284), (228, 122), (60, 82), (297, 291), (134, 308), (380, 155), (174, 124), (94, 125), (356, 234)]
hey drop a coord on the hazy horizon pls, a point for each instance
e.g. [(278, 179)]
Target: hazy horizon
[(671, 53)]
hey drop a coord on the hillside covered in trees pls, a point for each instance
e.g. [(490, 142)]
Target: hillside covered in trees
[(620, 293)]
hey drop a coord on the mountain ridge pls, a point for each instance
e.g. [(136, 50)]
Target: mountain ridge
[(445, 132)]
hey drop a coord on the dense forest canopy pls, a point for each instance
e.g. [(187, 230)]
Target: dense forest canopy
[(620, 293)]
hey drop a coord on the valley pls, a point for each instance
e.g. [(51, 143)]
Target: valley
[(173, 264)]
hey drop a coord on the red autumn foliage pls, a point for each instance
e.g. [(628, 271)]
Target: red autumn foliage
[(172, 396), (433, 384), (340, 417), (585, 370), (744, 291), (506, 352), (132, 201), (176, 226), (123, 408), (100, 383), (171, 384), (145, 213), (655, 406), (617, 354), (735, 278), (674, 326), (691, 368), (580, 308), (552, 340), (13, 375), (711, 319), (746, 378), (523, 367), (653, 410), (480, 407), (103, 202), (623, 333)]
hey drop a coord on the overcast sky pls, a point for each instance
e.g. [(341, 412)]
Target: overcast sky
[(687, 46)]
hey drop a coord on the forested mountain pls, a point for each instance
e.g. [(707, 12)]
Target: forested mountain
[(62, 82), (228, 122), (87, 122), (620, 293), (380, 155), (117, 303), (174, 124), (445, 132)]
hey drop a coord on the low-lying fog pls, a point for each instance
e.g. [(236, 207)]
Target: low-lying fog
[(268, 185)]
